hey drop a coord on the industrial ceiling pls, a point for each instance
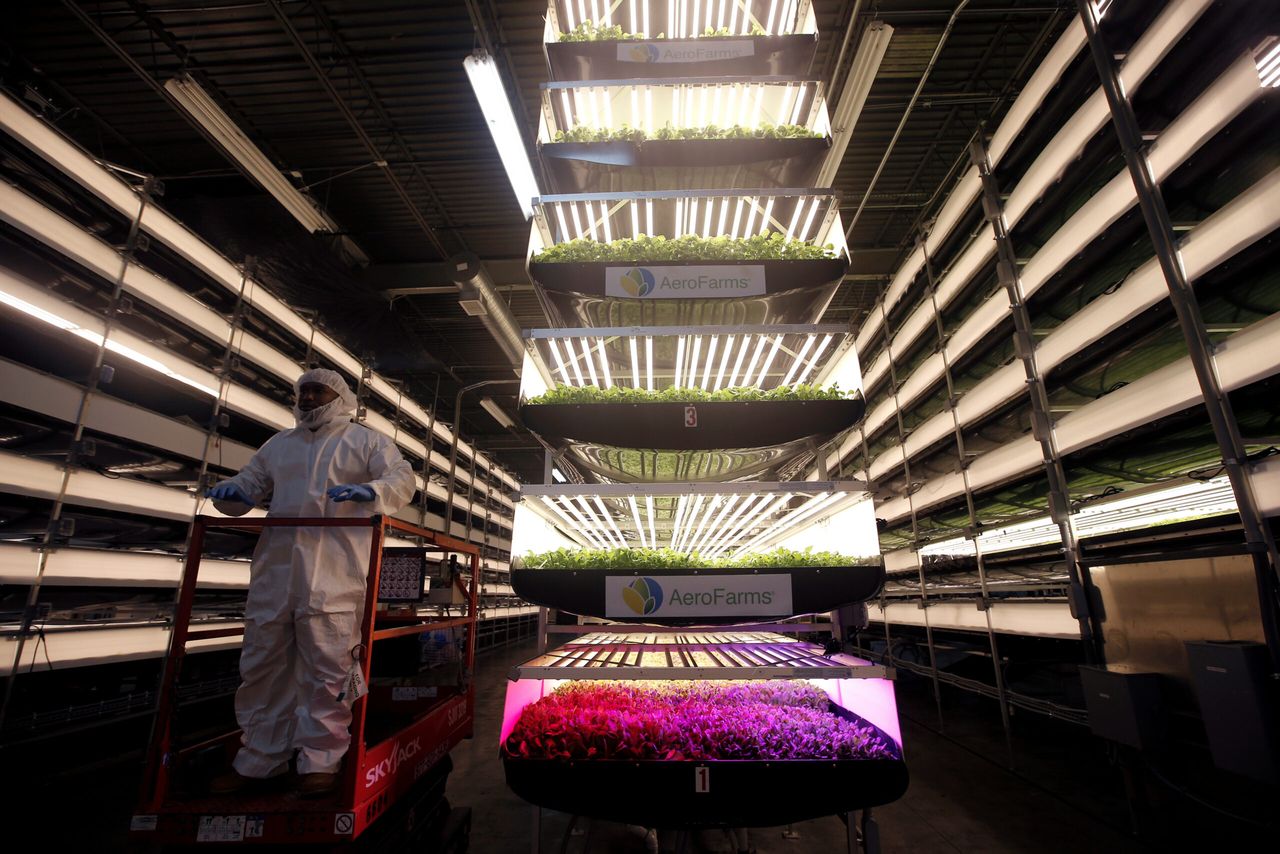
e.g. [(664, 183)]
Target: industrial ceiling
[(366, 106)]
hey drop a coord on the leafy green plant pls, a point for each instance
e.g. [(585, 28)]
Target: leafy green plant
[(764, 130), (646, 249), (589, 31), (683, 394), (664, 558)]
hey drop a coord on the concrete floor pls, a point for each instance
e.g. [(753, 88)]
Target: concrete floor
[(959, 800)]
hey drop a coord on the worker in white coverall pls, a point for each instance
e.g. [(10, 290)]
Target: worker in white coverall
[(307, 585)]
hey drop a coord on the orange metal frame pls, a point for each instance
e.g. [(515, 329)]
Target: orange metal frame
[(375, 775)]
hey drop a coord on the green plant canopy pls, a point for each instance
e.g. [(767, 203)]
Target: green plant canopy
[(670, 559), (764, 130), (683, 394), (589, 31), (647, 249)]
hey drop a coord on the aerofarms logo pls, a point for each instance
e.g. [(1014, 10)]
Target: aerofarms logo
[(643, 596), (642, 53), (700, 281), (638, 283), (387, 767), (764, 595), (702, 50)]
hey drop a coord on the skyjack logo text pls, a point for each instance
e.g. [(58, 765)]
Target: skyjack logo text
[(388, 766)]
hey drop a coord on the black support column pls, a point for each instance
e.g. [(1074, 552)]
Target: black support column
[(1082, 593)]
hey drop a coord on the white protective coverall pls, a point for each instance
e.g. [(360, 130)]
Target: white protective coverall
[(307, 585)]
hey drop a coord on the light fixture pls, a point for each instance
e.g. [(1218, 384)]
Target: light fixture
[(487, 83), (121, 342), (224, 133), (857, 85), (557, 475), (1267, 59), (499, 414)]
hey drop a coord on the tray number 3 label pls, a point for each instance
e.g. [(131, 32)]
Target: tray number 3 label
[(691, 416), (702, 779)]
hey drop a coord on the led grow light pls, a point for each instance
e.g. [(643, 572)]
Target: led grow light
[(713, 518), (1267, 60), (609, 105), (224, 132), (92, 329), (683, 18), (503, 127), (710, 357)]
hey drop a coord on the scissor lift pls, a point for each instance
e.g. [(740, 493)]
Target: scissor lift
[(401, 772)]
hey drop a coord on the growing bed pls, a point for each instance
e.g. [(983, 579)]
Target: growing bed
[(750, 753), (643, 584)]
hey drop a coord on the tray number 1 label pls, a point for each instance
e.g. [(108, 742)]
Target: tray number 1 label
[(702, 779), (691, 416)]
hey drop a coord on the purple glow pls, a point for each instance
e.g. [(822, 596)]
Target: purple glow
[(521, 693), (871, 699), (674, 721)]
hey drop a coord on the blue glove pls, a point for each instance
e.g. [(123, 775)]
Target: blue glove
[(229, 492), (351, 492)]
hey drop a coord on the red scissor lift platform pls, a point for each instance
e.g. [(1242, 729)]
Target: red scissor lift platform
[(397, 762)]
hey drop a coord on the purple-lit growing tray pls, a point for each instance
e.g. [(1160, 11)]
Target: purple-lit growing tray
[(729, 793), (693, 426), (814, 589)]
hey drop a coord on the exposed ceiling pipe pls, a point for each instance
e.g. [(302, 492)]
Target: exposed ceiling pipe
[(479, 297), (924, 78)]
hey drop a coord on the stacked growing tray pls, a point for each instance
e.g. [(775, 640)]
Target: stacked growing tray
[(708, 475)]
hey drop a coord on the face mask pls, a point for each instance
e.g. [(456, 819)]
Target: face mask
[(332, 411)]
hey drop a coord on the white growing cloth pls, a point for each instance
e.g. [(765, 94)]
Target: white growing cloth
[(306, 590)]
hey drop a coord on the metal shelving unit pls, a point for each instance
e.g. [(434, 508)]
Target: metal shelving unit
[(1039, 369), (682, 474)]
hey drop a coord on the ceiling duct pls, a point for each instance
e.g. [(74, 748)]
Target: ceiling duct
[(478, 297)]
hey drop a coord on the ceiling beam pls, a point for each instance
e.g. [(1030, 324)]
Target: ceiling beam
[(375, 151)]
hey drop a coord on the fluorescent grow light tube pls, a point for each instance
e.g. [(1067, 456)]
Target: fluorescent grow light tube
[(1267, 61), (635, 515), (857, 85), (89, 327), (482, 71), (204, 111)]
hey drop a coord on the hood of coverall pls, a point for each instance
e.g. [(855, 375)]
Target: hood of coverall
[(339, 409)]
